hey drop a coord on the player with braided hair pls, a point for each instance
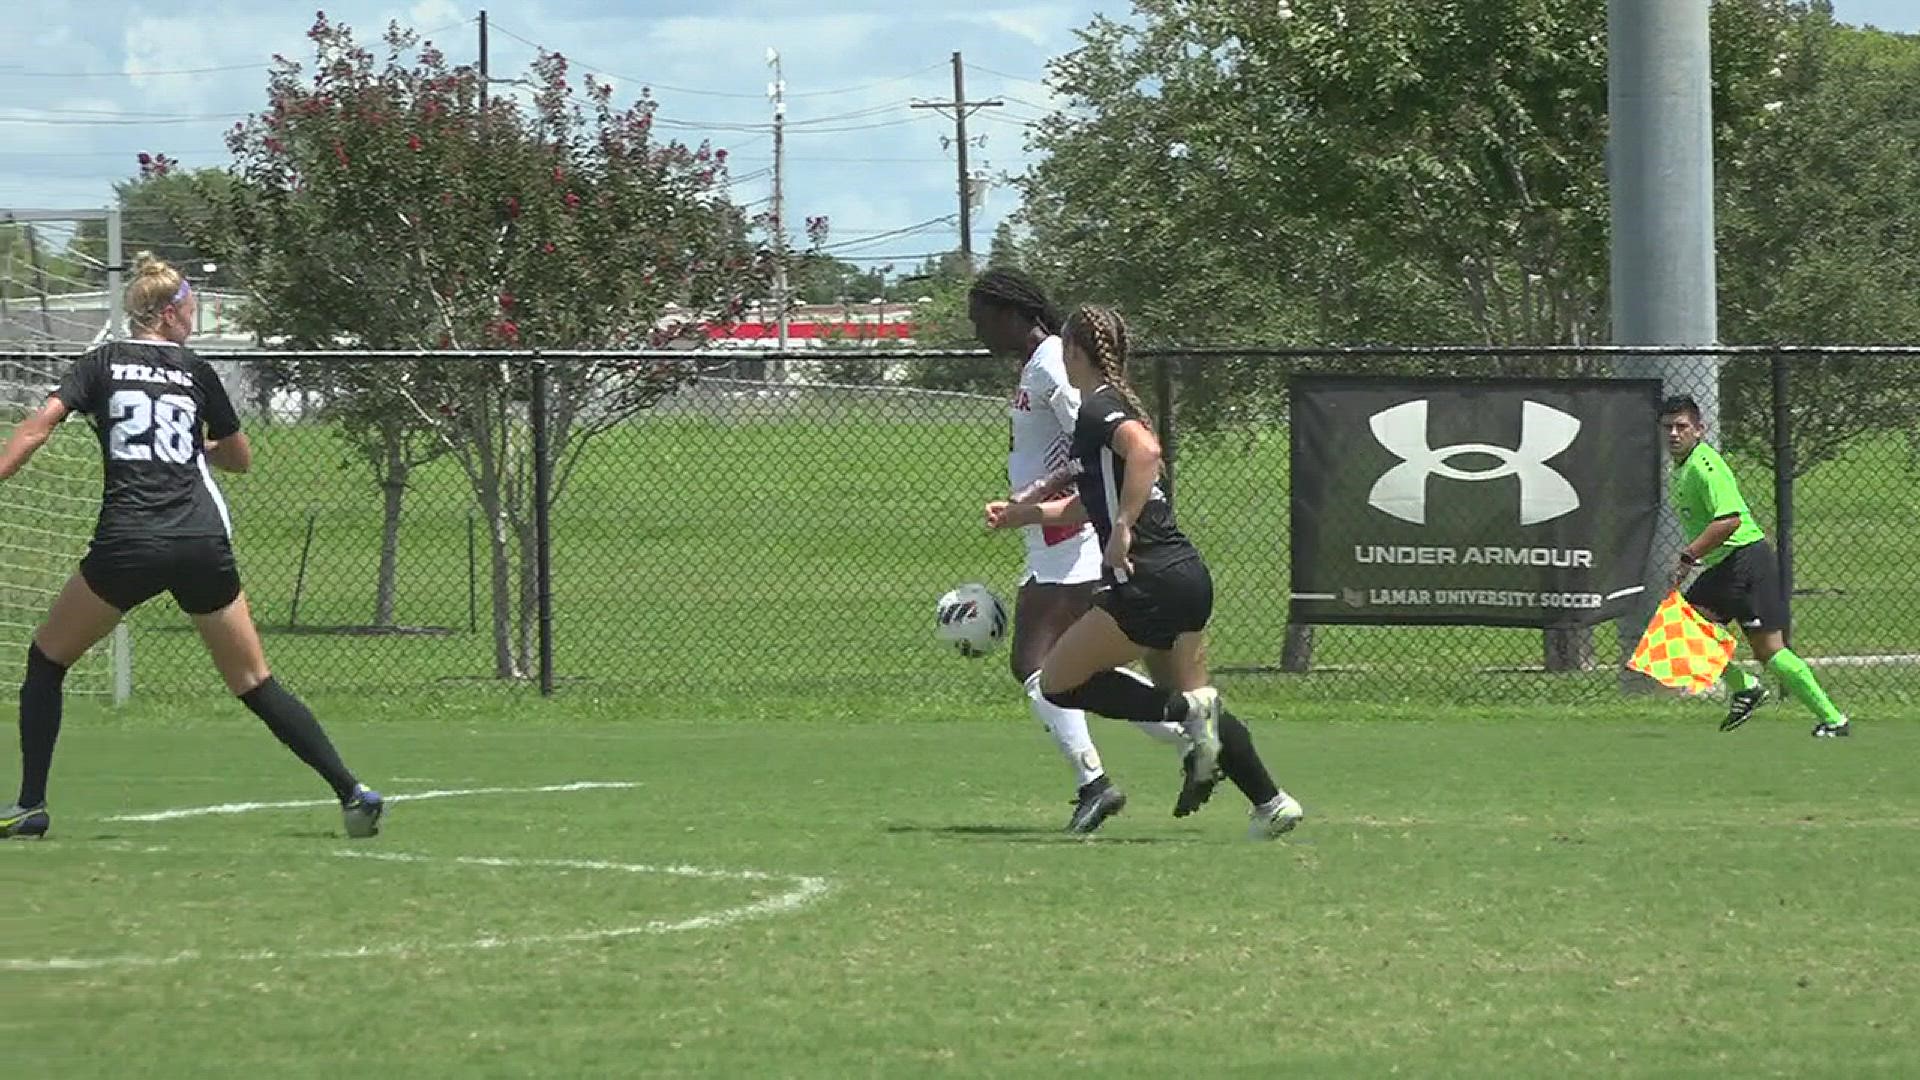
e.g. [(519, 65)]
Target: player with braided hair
[(1156, 595), (1013, 318)]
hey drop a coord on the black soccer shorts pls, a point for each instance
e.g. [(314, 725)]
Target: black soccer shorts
[(1155, 606), (198, 570), (1744, 587)]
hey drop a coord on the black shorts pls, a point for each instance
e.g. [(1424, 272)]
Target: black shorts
[(1744, 587), (1155, 606), (198, 570)]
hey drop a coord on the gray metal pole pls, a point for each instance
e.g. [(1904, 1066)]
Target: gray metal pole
[(1660, 174), (120, 650)]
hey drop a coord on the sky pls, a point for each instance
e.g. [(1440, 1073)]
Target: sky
[(86, 87)]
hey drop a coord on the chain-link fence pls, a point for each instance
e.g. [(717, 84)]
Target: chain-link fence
[(790, 533)]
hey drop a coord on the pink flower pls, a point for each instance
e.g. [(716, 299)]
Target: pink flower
[(146, 159), (559, 175), (340, 152), (513, 206), (413, 143), (506, 299), (548, 248), (573, 201)]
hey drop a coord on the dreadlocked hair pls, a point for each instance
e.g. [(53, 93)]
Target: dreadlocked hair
[(1016, 291), (1101, 333)]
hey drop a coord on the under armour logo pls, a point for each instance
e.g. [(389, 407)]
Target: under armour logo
[(1544, 432)]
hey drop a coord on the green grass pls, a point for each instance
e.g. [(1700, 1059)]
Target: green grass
[(1492, 892)]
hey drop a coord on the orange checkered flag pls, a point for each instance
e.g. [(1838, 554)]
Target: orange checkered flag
[(1682, 649)]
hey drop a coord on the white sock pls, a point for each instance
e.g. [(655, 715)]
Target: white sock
[(1157, 730), (1069, 730)]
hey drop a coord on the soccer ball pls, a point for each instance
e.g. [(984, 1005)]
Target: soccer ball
[(971, 619)]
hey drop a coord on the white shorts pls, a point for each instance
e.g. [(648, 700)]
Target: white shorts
[(1071, 561)]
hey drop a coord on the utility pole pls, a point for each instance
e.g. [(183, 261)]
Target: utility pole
[(962, 108), (777, 93), (1660, 180), (484, 81)]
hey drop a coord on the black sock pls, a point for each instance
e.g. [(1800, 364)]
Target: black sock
[(1122, 697), (39, 723), (1241, 762), (294, 724)]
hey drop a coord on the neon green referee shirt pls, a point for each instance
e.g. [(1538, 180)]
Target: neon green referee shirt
[(1703, 491)]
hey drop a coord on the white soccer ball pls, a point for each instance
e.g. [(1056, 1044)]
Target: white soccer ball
[(971, 619)]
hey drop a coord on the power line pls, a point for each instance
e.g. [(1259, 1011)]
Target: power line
[(127, 74), (712, 93), (1001, 74)]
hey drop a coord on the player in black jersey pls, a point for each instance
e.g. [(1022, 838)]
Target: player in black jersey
[(161, 415), (1156, 595)]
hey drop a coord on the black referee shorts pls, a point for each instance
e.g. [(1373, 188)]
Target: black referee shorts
[(1155, 606), (1744, 587), (198, 570)]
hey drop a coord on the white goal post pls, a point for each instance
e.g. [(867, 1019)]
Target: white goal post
[(56, 300)]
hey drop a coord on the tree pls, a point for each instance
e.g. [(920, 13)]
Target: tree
[(822, 279), (381, 203), (1366, 171), (1820, 239), (1006, 250), (161, 207)]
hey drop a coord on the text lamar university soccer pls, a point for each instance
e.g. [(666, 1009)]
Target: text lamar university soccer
[(1409, 555)]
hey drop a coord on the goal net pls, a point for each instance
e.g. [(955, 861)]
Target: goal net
[(54, 304)]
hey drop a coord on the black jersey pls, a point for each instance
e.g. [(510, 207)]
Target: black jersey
[(1157, 541), (153, 404)]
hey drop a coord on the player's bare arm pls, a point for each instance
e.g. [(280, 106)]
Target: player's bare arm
[(29, 435)]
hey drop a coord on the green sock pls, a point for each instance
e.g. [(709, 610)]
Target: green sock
[(1799, 681), (1741, 679)]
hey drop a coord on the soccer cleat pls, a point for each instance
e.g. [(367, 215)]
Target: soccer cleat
[(24, 823), (1202, 726), (1841, 730), (1275, 819), (1098, 800), (1195, 790), (362, 812), (1742, 705)]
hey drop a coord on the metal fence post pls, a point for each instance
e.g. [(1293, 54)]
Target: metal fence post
[(1163, 408), (1783, 467), (542, 535)]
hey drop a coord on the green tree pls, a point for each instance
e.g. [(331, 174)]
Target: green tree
[(381, 203), (1820, 239), (1367, 171)]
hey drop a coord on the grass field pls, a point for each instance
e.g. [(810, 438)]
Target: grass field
[(1476, 893), (819, 846), (797, 546)]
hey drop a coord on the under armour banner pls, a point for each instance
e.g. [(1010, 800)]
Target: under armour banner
[(1493, 502)]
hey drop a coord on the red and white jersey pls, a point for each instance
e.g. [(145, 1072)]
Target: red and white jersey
[(1043, 413), (1042, 416)]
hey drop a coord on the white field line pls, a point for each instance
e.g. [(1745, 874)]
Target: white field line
[(418, 796), (805, 890)]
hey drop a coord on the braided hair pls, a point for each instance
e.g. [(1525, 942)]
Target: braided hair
[(1015, 291), (1101, 333)]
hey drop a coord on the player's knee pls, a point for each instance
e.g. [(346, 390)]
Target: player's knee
[(42, 670), (1023, 666), (242, 683)]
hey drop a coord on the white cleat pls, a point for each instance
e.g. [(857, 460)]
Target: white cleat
[(1202, 727), (1275, 819)]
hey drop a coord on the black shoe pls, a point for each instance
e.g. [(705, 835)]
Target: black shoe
[(1098, 801), (1741, 707), (1841, 730), (25, 822), (1194, 791)]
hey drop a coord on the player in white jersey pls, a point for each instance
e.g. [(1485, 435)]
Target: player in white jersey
[(1012, 318)]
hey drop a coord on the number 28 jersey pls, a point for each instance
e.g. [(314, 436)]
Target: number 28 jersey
[(153, 404)]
